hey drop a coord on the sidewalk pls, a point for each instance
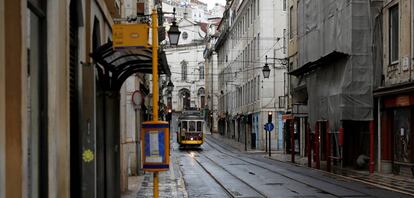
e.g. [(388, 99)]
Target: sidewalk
[(392, 182), (170, 183), (134, 185)]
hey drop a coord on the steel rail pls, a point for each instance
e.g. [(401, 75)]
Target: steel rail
[(227, 191), (284, 175), (238, 178)]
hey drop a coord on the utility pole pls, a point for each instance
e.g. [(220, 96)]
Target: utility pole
[(154, 25), (156, 133)]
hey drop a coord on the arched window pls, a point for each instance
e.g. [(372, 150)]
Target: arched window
[(184, 65), (185, 96), (201, 72)]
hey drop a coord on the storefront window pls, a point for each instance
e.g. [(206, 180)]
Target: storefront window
[(402, 135)]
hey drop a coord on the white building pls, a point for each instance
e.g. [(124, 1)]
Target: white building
[(211, 71), (217, 11), (193, 10), (187, 66), (250, 31)]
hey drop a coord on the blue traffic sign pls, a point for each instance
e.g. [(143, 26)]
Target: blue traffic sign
[(269, 126)]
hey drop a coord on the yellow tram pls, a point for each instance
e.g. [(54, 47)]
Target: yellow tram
[(190, 129)]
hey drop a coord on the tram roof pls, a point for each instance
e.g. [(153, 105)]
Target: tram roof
[(191, 115)]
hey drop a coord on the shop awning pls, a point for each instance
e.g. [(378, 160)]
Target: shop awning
[(402, 88), (115, 66)]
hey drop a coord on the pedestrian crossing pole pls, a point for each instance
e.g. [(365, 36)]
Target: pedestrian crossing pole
[(154, 25)]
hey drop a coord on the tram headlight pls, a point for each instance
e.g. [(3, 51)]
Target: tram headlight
[(191, 138)]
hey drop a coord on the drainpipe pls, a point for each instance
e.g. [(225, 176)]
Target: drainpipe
[(316, 139), (341, 144), (292, 141), (371, 147), (379, 134), (308, 143), (328, 148)]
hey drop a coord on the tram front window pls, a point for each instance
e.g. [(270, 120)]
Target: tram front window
[(184, 126), (199, 126), (192, 126)]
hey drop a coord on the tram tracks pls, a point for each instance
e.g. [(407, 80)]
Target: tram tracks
[(227, 191), (323, 191), (231, 192)]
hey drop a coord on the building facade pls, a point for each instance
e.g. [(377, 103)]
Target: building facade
[(48, 101), (67, 129), (211, 74), (246, 98), (187, 66), (394, 89), (296, 91), (333, 77), (193, 10)]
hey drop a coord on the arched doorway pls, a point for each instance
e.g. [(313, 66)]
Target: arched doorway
[(202, 98), (185, 98)]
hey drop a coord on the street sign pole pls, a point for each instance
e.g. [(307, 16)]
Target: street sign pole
[(270, 148), (154, 25), (266, 138), (268, 128)]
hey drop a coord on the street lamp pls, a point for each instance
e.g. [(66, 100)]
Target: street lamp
[(266, 68), (174, 32), (170, 86), (266, 71)]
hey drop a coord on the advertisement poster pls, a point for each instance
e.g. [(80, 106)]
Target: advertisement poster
[(154, 149)]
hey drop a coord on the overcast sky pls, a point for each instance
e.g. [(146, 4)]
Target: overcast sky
[(211, 3)]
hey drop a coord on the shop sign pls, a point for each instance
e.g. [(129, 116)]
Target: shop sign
[(287, 117), (130, 35), (403, 101), (399, 101)]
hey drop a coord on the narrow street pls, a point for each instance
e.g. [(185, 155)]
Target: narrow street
[(219, 170), (216, 170), (206, 98)]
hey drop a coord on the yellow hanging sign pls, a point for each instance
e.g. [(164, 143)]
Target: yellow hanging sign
[(130, 35)]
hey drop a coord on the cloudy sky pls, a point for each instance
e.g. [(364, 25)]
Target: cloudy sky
[(211, 3)]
